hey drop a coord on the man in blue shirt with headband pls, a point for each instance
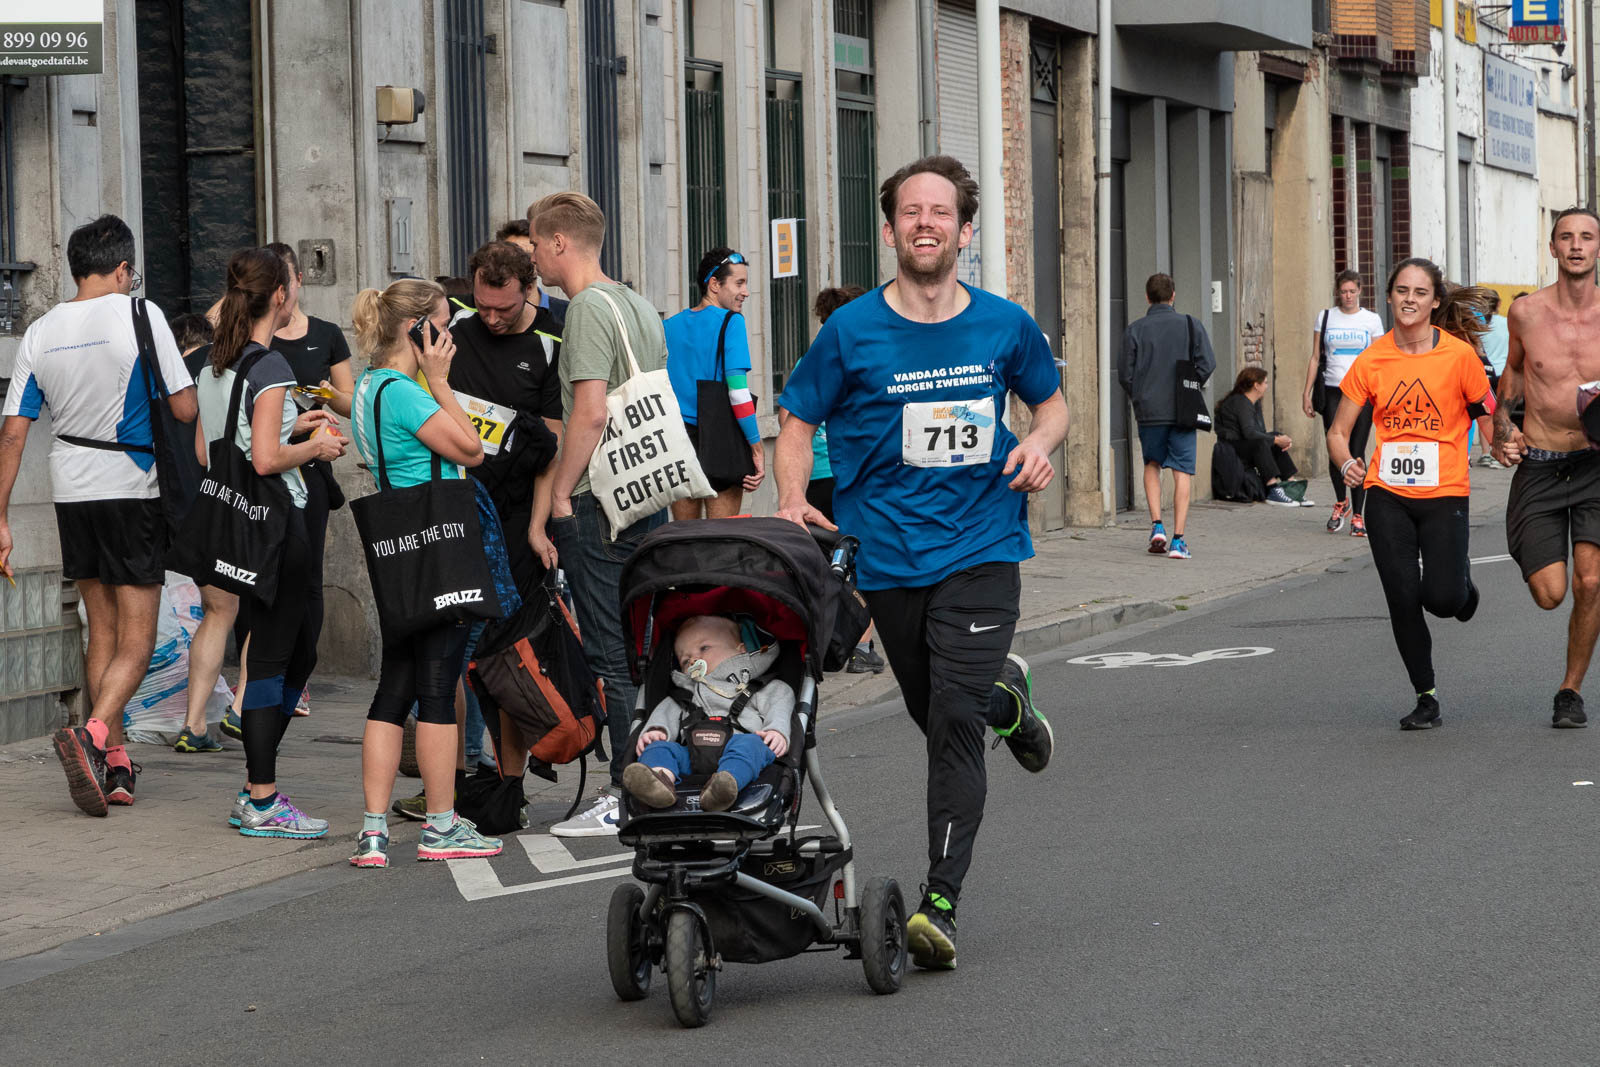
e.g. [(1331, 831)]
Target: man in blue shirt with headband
[(912, 380)]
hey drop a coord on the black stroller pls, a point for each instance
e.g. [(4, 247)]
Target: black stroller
[(743, 885)]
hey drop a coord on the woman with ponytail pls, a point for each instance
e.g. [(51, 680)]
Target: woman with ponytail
[(401, 330), (1426, 384), (282, 646)]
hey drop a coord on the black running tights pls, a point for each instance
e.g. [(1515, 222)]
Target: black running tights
[(1400, 529)]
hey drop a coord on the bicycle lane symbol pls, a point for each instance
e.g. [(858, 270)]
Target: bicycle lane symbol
[(1118, 660)]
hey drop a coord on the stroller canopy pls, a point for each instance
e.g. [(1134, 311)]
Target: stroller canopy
[(769, 568)]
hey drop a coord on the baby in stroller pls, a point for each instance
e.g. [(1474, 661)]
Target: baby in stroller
[(727, 716)]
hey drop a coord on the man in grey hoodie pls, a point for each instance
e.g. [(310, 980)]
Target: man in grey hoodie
[(736, 715), (1152, 348)]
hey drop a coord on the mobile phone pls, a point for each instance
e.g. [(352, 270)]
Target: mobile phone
[(422, 331)]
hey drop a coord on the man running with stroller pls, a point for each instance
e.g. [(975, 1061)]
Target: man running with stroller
[(912, 381)]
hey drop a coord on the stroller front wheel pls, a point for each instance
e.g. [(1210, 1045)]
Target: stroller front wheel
[(691, 972), (883, 934), (627, 943)]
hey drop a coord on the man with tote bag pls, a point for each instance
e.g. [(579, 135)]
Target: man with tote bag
[(605, 498)]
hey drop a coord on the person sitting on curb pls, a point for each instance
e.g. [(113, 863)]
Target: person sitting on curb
[(724, 681), (1241, 427)]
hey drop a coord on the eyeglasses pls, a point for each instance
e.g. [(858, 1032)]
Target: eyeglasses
[(138, 279), (731, 257)]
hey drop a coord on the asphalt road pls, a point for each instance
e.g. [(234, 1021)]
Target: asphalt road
[(1231, 861)]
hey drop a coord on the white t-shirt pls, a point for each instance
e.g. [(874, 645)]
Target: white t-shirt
[(81, 360), (1346, 338), (271, 371)]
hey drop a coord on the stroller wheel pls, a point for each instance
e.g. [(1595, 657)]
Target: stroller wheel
[(883, 934), (691, 971), (627, 943)]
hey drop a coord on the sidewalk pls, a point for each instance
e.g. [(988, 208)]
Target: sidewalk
[(68, 875)]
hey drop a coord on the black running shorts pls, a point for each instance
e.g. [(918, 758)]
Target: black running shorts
[(1553, 504), (118, 542)]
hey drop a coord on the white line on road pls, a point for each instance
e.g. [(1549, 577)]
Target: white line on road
[(1493, 559), (550, 856), (477, 880)]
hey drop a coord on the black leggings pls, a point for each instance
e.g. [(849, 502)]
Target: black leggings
[(946, 644), (1399, 529), (422, 669), (1358, 446), (282, 655)]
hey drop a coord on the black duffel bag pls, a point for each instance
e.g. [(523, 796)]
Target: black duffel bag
[(233, 534), (424, 548)]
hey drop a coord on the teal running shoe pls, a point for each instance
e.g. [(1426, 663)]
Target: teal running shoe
[(283, 819), (372, 850), (196, 742), (461, 842), (231, 725), (236, 816)]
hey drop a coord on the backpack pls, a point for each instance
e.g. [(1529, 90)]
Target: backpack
[(533, 669)]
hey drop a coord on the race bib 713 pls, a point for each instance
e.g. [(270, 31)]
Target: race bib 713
[(957, 433)]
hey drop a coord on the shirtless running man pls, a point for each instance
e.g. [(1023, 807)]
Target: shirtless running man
[(1555, 495)]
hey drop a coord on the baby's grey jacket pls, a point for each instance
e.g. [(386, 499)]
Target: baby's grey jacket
[(771, 708)]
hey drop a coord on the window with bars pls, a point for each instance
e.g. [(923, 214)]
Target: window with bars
[(786, 199), (858, 162), (705, 164)]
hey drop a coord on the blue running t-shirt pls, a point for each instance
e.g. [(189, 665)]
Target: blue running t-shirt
[(915, 432)]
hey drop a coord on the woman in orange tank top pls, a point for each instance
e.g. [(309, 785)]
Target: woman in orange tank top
[(1426, 384)]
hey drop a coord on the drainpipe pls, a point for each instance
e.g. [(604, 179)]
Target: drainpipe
[(1452, 169), (991, 176), (1585, 65), (927, 71), (1102, 181)]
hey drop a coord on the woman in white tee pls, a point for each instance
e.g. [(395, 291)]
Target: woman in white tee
[(1341, 334)]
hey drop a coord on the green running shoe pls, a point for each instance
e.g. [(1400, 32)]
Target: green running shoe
[(193, 742), (461, 842), (1030, 738), (931, 934), (413, 808)]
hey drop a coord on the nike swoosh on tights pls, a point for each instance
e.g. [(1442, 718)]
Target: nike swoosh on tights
[(975, 628)]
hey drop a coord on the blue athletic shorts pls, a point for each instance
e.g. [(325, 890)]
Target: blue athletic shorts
[(1168, 446)]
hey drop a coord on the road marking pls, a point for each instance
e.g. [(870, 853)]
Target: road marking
[(550, 856), (1117, 660), (1492, 559)]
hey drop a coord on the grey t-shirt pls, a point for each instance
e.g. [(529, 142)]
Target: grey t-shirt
[(271, 371), (591, 344)]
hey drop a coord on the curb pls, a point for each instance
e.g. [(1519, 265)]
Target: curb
[(1087, 622)]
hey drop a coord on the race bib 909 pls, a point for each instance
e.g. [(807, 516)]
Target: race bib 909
[(947, 433), (1409, 463)]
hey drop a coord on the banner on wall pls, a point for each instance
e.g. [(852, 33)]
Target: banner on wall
[(1510, 115), (39, 37)]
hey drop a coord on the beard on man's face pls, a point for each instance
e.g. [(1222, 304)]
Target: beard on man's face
[(910, 269)]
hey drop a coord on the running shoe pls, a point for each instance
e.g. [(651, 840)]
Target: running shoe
[(283, 819), (372, 850), (85, 764), (461, 842), (1569, 711), (189, 741), (1158, 539), (413, 808), (119, 784), (600, 820), (1030, 738), (1341, 514), (231, 725), (1358, 526), (236, 815), (931, 933), (865, 661), (1425, 716), (1276, 495), (1470, 608), (1179, 549)]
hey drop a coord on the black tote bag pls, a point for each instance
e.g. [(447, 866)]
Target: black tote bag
[(724, 453), (1190, 411), (1319, 388), (424, 549), (233, 535)]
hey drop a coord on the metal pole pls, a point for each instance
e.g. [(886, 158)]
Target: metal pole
[(1586, 87), (1102, 182), (1452, 172), (927, 28), (991, 143)]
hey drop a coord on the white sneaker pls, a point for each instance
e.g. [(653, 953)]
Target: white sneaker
[(599, 821)]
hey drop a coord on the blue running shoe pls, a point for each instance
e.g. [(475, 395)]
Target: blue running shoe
[(231, 725), (461, 842), (1179, 549), (372, 850), (283, 819)]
